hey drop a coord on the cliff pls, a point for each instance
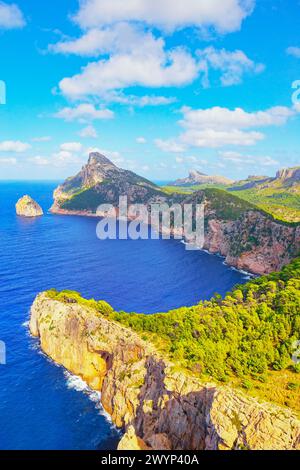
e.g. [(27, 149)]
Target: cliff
[(248, 237), (98, 182), (27, 207), (196, 178), (158, 406)]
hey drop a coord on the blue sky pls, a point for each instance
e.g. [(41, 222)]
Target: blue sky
[(160, 88)]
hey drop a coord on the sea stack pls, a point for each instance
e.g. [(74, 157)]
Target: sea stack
[(27, 207)]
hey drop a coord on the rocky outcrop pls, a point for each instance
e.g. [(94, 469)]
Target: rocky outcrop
[(27, 207), (290, 175), (197, 178), (253, 242), (158, 406), (247, 237), (98, 182)]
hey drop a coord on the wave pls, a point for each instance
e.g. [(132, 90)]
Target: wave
[(75, 382)]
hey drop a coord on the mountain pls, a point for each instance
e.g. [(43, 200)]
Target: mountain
[(284, 179), (280, 195), (100, 181), (196, 178)]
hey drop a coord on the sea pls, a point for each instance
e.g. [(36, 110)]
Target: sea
[(42, 406)]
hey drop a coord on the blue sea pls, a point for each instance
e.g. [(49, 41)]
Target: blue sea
[(41, 406)]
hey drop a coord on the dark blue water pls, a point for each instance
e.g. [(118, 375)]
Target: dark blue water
[(39, 406)]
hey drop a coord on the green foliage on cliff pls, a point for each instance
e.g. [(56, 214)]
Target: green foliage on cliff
[(282, 203), (248, 333)]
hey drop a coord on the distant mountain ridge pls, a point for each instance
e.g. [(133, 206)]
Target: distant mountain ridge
[(196, 178), (286, 177)]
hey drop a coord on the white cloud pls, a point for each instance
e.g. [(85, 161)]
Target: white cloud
[(169, 146), (14, 146), (71, 147), (223, 118), (88, 132), (217, 127), (41, 139), (241, 159), (84, 112), (225, 16), (11, 16), (155, 69), (8, 161), (121, 38), (64, 158), (294, 51), (211, 138), (40, 161), (141, 140), (141, 101), (232, 65)]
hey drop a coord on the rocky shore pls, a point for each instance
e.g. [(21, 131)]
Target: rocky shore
[(157, 405)]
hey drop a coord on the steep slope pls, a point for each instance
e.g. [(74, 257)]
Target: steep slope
[(248, 237), (280, 196), (196, 178), (161, 396), (100, 181)]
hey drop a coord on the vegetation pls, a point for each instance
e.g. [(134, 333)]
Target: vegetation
[(247, 338), (279, 202), (282, 203)]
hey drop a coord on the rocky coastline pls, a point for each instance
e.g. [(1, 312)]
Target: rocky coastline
[(158, 407)]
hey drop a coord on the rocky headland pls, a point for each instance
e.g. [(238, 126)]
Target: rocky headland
[(248, 238), (27, 207), (157, 405)]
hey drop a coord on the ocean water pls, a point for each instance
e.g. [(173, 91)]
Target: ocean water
[(41, 405)]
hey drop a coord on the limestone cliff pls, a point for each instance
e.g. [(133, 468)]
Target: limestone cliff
[(27, 207), (196, 178), (246, 236), (158, 407)]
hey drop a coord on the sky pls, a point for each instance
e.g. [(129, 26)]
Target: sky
[(160, 87)]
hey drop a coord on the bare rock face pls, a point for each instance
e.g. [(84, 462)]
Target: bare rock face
[(159, 407), (196, 178), (27, 207)]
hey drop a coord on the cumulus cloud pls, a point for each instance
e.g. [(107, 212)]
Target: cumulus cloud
[(39, 160), (11, 16), (88, 132), (71, 147), (241, 159), (138, 58), (169, 146), (159, 69), (220, 118), (140, 101), (8, 161), (217, 127), (14, 146), (294, 51), (64, 158), (117, 39), (232, 65), (225, 16), (141, 140), (84, 112)]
